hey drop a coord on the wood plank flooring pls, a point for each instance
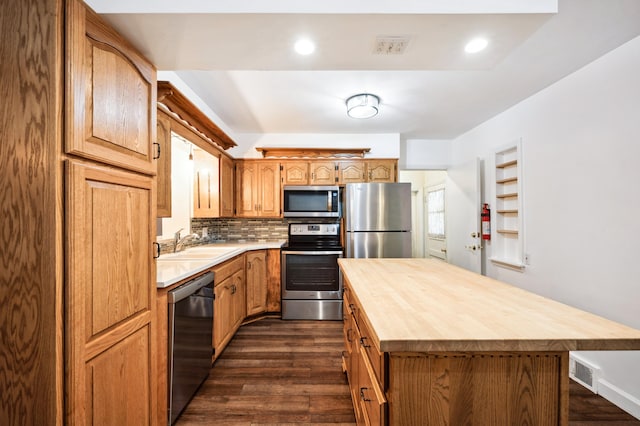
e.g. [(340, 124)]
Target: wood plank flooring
[(278, 372)]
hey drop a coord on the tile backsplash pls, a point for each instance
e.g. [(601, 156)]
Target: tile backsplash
[(238, 229), (233, 229)]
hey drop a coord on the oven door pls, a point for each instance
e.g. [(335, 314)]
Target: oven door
[(311, 275)]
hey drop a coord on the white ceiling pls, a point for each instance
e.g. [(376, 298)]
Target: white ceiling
[(238, 57)]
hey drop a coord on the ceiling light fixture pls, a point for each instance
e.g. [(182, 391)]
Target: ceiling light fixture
[(476, 45), (363, 105), (304, 46)]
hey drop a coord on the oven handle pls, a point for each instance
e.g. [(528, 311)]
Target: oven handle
[(313, 253)]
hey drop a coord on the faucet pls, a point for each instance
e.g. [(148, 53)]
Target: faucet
[(178, 243)]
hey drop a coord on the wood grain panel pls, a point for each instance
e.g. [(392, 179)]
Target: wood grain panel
[(273, 280), (111, 271), (123, 100), (111, 94), (118, 266), (227, 180), (163, 178), (118, 383), (495, 389), (31, 267)]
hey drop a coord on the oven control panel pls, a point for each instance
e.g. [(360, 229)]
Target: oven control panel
[(314, 229)]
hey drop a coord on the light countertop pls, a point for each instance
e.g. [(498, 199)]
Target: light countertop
[(428, 305), (174, 267)]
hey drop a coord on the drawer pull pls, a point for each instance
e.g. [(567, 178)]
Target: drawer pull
[(362, 397), (362, 342)]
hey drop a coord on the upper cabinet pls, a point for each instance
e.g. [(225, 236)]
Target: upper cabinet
[(206, 184), (384, 170), (163, 198), (226, 186), (258, 188), (352, 171), (111, 94), (313, 172), (376, 170)]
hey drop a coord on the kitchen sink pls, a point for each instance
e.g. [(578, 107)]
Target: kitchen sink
[(198, 253)]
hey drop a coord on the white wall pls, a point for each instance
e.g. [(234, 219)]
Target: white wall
[(382, 145), (425, 154), (581, 155)]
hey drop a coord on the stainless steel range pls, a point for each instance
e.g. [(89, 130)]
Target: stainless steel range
[(311, 280)]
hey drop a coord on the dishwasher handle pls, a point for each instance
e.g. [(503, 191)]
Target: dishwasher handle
[(189, 288)]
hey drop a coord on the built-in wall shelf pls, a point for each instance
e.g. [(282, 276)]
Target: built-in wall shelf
[(509, 195), (509, 163), (508, 241)]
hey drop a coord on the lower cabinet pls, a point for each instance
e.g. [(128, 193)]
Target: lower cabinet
[(110, 322), (365, 367), (229, 307), (256, 282)]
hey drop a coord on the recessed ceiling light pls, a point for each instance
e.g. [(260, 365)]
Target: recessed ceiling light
[(304, 46), (476, 45)]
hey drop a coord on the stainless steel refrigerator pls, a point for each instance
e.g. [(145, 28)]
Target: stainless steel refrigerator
[(377, 220)]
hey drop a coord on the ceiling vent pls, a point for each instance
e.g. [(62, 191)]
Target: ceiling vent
[(390, 45)]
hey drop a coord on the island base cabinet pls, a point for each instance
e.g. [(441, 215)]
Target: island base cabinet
[(479, 389)]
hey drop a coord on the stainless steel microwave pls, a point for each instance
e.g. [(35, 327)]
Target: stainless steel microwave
[(311, 201)]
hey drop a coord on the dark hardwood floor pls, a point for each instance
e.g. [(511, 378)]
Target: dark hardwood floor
[(278, 372)]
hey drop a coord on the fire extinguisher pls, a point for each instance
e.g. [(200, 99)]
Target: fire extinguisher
[(486, 222)]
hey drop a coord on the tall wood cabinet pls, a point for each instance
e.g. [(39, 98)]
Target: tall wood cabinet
[(78, 197), (110, 319)]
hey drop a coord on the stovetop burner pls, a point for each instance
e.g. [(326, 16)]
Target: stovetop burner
[(314, 236)]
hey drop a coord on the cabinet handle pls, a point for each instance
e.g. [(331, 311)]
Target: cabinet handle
[(248, 265), (155, 157), (362, 397), (157, 253), (364, 345), (349, 335), (233, 289)]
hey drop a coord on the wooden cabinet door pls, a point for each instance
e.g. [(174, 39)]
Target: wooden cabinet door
[(239, 299), (352, 171), (269, 189), (295, 173), (206, 201), (226, 186), (381, 171), (163, 180), (323, 173), (273, 280), (256, 280), (246, 189), (110, 296), (110, 95), (223, 313)]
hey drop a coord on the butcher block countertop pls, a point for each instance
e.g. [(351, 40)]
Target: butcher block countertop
[(426, 305)]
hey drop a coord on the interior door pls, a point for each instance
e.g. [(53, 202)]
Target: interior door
[(463, 216), (435, 221)]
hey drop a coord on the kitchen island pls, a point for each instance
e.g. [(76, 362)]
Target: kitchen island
[(429, 343)]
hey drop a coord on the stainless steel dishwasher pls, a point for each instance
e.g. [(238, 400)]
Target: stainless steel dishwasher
[(190, 340)]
